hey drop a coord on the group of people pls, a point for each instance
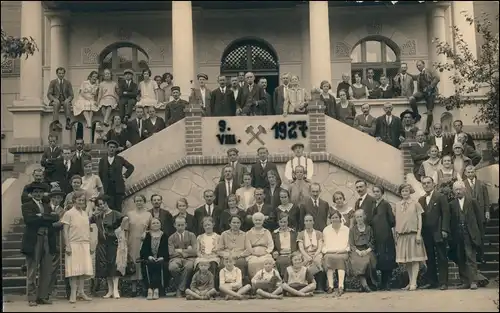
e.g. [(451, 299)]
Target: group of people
[(256, 235)]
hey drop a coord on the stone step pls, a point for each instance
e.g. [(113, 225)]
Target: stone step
[(492, 230), (491, 238), (13, 262), (18, 281), (491, 247), (491, 275), (490, 266), (11, 245), (491, 256), (15, 290), (11, 236), (8, 253), (11, 271)]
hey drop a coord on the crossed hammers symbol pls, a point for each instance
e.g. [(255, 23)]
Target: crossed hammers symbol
[(255, 135)]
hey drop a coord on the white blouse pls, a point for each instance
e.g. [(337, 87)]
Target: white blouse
[(303, 161), (335, 241)]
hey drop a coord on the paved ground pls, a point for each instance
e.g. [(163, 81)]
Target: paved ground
[(481, 300)]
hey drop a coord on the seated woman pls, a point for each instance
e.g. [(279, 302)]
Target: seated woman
[(328, 99), (246, 193), (299, 188), (230, 281), (154, 254), (335, 251), (267, 282), (148, 91), (107, 98), (292, 209), (341, 206), (285, 243), (359, 91), (430, 166), (232, 242), (202, 283), (310, 243), (233, 210), (86, 100), (207, 246), (259, 243), (345, 109), (117, 132), (297, 280), (362, 258)]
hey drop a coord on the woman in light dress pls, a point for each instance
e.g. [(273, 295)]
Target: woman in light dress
[(208, 247), (430, 166), (299, 188), (161, 94), (246, 193), (259, 243), (148, 90), (232, 243), (139, 221), (86, 101), (359, 91), (310, 243), (108, 96), (341, 206), (78, 260), (296, 98), (446, 172)]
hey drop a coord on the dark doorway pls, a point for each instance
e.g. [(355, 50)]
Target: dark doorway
[(272, 81)]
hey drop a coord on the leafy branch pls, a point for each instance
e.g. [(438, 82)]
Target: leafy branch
[(16, 47)]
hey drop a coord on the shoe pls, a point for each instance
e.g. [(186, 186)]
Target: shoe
[(473, 286), (464, 286), (365, 289), (116, 294), (340, 292), (156, 294), (329, 290), (178, 294), (426, 286), (108, 295), (443, 287), (84, 297), (32, 303), (150, 294), (43, 301)]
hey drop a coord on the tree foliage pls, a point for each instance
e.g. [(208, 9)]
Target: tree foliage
[(16, 47), (471, 74)]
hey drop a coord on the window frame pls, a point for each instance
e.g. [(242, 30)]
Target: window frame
[(116, 71), (363, 66)]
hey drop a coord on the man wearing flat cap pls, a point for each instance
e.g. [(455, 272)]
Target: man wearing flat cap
[(174, 111), (127, 95), (202, 94), (38, 244), (299, 159)]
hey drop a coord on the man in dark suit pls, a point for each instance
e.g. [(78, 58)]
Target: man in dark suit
[(127, 96), (469, 152), (112, 176), (153, 123), (60, 92), (224, 188), (238, 168), (38, 178), (253, 96), (241, 79), (80, 155), (442, 141), (388, 128), (427, 81), (458, 126), (466, 229), (208, 209), (270, 222), (259, 170), (202, 94), (435, 230), (365, 122), (49, 157), (269, 109), (66, 168), (384, 91), (315, 206), (237, 91), (38, 244), (279, 94), (222, 101), (174, 111), (404, 83), (419, 153), (136, 128), (370, 82), (365, 201)]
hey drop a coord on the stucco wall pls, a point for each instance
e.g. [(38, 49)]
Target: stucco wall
[(190, 182)]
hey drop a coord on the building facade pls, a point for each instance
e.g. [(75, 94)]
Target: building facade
[(316, 40)]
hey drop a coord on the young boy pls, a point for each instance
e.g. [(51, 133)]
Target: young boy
[(267, 282), (202, 284), (230, 279), (298, 281)]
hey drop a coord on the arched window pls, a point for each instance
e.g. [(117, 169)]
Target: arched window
[(377, 53), (121, 56)]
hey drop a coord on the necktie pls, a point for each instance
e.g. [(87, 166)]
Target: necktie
[(263, 164), (210, 210), (232, 165), (139, 122), (182, 239), (250, 87), (472, 184), (61, 84), (228, 187), (128, 83), (67, 165), (388, 120)]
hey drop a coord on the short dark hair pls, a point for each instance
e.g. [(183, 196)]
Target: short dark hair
[(460, 121), (92, 74), (75, 177), (60, 68), (146, 70), (156, 195), (360, 181), (164, 76), (158, 76), (140, 196), (379, 187), (103, 198)]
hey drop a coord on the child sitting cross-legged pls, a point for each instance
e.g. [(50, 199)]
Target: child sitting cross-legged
[(298, 281), (267, 282), (230, 279), (202, 284)]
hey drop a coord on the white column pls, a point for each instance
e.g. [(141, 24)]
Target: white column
[(319, 34), (58, 42), (31, 68), (438, 30), (182, 46), (467, 30)]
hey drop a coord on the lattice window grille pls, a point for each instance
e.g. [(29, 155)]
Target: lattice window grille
[(236, 59), (262, 59)]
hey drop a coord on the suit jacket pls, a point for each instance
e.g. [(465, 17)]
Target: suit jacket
[(436, 217), (201, 213), (48, 161), (379, 93), (473, 221), (127, 91), (404, 87), (190, 223), (85, 156), (368, 205), (480, 194), (63, 174), (174, 242), (274, 199), (33, 224), (447, 142), (259, 174), (319, 214), (222, 104), (419, 155), (167, 221), (270, 224), (253, 101), (25, 195), (389, 133), (134, 135), (368, 123), (238, 99), (278, 99), (116, 173), (157, 127), (55, 92), (221, 194), (472, 154), (470, 140), (371, 85), (428, 78), (277, 240), (196, 97), (238, 172), (174, 111), (268, 109)]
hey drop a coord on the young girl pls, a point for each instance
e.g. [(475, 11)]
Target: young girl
[(430, 166), (246, 193), (410, 249), (340, 205), (108, 96), (202, 283), (208, 245), (299, 189), (232, 210), (298, 281), (86, 100), (148, 90), (230, 280), (362, 258), (446, 173), (285, 243), (154, 253), (267, 282)]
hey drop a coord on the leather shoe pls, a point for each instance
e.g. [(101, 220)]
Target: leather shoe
[(426, 286), (32, 303), (464, 286), (43, 301), (473, 286), (443, 287)]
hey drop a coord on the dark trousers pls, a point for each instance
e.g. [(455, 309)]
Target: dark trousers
[(429, 103), (56, 108), (115, 199), (320, 281), (181, 270), (480, 249), (126, 107), (385, 279), (437, 260), (466, 257), (39, 264)]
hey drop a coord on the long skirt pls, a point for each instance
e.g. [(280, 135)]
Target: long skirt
[(79, 263), (154, 275), (105, 255), (256, 263), (334, 261), (407, 249), (363, 265)]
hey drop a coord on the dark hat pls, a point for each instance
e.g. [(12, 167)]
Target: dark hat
[(128, 71), (297, 145), (202, 75), (112, 142), (402, 115), (55, 190), (233, 150), (36, 185), (175, 88)]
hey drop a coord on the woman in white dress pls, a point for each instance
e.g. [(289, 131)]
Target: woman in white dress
[(108, 96), (86, 101), (148, 91), (259, 243), (78, 262), (246, 193)]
